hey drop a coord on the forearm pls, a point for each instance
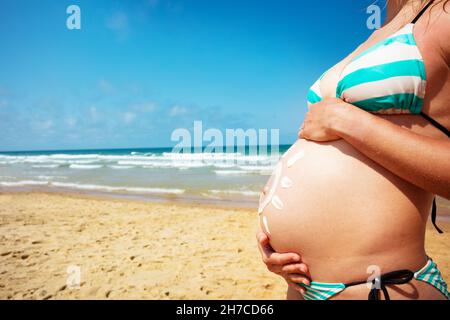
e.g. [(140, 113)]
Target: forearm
[(421, 160)]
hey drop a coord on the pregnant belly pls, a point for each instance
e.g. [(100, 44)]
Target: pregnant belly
[(336, 207)]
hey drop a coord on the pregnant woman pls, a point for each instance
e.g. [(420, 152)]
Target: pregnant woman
[(353, 195)]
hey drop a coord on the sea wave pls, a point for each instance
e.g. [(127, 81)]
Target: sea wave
[(246, 170), (161, 165), (248, 193), (143, 163), (262, 170), (23, 183), (119, 167), (94, 187), (164, 160), (44, 177), (85, 166), (46, 166)]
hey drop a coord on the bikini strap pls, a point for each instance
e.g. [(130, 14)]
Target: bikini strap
[(379, 284), (422, 11), (433, 216), (436, 124)]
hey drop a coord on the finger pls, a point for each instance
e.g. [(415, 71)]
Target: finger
[(274, 268), (300, 268), (267, 252), (298, 278), (265, 248), (301, 134), (297, 287), (264, 244), (283, 258), (262, 238)]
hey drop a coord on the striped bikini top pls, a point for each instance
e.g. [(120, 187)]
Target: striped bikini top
[(387, 78)]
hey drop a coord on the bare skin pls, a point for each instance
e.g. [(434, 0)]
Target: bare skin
[(371, 155)]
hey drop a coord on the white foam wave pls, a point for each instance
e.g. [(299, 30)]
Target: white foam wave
[(71, 156), (85, 166), (247, 193), (121, 167), (46, 166), (224, 165), (143, 163), (23, 183), (93, 187), (155, 190), (165, 160), (45, 177), (231, 172), (256, 168), (158, 164)]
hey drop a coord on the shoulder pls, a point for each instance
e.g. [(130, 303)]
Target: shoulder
[(393, 8), (440, 27)]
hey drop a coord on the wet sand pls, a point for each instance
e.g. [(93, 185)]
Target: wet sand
[(127, 249)]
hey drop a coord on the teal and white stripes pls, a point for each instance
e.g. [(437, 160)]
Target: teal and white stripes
[(389, 77), (322, 291), (314, 94), (431, 275)]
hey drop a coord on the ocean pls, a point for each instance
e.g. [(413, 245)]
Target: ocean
[(234, 178)]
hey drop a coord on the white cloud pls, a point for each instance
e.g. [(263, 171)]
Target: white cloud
[(128, 117), (177, 111)]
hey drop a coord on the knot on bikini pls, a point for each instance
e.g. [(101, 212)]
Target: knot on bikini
[(391, 278)]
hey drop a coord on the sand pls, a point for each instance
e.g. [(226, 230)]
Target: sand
[(137, 250)]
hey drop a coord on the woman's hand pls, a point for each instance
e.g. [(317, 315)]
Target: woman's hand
[(321, 118), (287, 265), (396, 148)]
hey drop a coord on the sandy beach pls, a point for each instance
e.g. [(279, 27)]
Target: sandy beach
[(128, 249)]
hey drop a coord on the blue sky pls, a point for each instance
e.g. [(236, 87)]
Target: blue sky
[(139, 69)]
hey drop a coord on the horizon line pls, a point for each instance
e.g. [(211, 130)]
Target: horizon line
[(128, 148)]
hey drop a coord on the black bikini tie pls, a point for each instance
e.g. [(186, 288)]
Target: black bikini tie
[(433, 216), (391, 278)]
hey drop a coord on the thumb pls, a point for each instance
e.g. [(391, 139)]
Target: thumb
[(301, 133), (263, 239)]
